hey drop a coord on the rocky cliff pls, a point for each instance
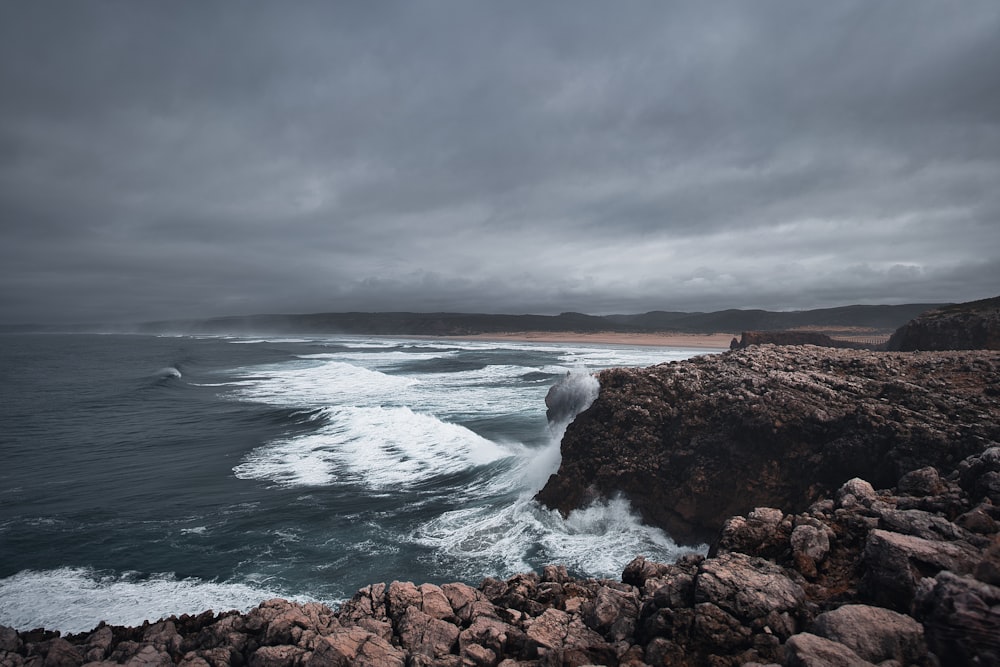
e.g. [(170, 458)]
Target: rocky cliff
[(691, 443), (966, 326), (909, 575), (748, 338)]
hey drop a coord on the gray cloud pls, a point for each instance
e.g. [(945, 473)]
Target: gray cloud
[(188, 159)]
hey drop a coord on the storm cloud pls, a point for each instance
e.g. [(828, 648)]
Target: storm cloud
[(186, 159)]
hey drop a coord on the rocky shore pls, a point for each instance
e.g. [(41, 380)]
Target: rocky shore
[(905, 576), (692, 443), (772, 454)]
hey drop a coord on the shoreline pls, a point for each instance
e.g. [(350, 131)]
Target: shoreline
[(712, 341)]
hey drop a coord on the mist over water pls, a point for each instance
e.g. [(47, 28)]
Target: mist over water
[(147, 476)]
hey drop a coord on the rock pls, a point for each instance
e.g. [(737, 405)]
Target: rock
[(874, 633), (60, 653), (965, 326), (810, 545), (9, 641), (961, 617), (353, 646), (150, 656), (808, 650), (612, 613), (749, 338), (420, 633), (749, 588), (762, 532), (893, 564), (694, 442), (923, 482), (856, 491)]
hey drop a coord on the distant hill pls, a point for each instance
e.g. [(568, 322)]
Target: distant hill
[(872, 318), (880, 318)]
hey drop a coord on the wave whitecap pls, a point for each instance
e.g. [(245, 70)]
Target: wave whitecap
[(379, 447), (77, 599)]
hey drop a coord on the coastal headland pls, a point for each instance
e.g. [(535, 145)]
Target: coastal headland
[(850, 500)]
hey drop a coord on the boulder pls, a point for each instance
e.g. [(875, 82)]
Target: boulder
[(961, 617), (874, 633), (809, 650), (893, 564)]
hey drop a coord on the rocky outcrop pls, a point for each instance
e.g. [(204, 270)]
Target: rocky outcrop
[(909, 576), (748, 338), (965, 326), (691, 443)]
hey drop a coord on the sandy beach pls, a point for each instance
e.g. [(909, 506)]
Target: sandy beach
[(713, 341)]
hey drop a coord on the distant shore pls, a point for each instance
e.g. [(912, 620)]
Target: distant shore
[(712, 341)]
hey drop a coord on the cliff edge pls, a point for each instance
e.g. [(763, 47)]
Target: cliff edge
[(691, 443), (965, 326)]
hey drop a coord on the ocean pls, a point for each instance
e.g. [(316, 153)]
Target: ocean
[(143, 476)]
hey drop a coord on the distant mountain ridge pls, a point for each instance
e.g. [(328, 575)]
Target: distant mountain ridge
[(878, 318)]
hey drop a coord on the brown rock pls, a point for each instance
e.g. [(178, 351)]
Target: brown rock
[(808, 650), (399, 597), (420, 633), (893, 564), (961, 618), (353, 646), (747, 587), (695, 442), (810, 545), (874, 633), (434, 602)]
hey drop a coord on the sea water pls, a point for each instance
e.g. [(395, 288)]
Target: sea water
[(144, 476)]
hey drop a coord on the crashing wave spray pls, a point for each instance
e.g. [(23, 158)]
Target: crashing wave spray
[(567, 398)]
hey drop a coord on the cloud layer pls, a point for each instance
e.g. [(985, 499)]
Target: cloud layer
[(189, 159)]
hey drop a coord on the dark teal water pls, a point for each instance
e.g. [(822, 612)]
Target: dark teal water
[(143, 476)]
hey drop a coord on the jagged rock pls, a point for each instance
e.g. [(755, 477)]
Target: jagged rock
[(763, 532), (421, 633), (809, 650), (894, 564), (694, 442), (747, 587), (353, 646), (276, 656), (961, 617), (923, 482), (810, 545), (874, 633)]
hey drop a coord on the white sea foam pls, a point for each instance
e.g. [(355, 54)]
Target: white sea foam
[(77, 599), (318, 383), (375, 446), (598, 540)]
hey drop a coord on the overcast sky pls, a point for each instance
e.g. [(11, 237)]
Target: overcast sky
[(186, 159)]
